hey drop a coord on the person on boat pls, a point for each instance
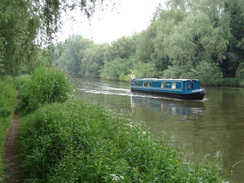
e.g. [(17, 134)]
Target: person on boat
[(132, 76)]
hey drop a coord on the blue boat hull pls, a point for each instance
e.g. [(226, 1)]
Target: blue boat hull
[(183, 96)]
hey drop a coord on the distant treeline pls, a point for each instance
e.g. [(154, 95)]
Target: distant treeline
[(201, 39), (188, 39)]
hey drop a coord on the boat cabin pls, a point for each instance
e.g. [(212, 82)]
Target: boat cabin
[(180, 84)]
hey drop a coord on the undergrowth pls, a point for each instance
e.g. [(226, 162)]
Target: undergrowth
[(7, 101), (44, 85), (79, 142)]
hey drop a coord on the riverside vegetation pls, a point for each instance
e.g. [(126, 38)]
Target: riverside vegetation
[(62, 139)]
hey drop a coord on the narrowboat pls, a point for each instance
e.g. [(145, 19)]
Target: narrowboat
[(185, 89)]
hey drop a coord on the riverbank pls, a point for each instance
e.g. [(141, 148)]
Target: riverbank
[(80, 142), (62, 139), (227, 82)]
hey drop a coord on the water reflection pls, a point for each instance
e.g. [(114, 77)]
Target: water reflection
[(189, 110)]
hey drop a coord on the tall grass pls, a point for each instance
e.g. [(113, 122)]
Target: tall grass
[(45, 85), (7, 101), (79, 142)]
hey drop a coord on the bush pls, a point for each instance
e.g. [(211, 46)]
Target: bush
[(116, 69), (77, 142), (7, 101), (230, 82), (145, 70), (240, 71), (21, 80), (45, 85)]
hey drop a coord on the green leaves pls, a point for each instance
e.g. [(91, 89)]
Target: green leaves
[(45, 85)]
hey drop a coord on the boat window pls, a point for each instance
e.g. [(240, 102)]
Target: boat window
[(173, 85), (192, 86), (149, 84), (137, 83), (188, 85), (162, 85), (178, 85), (144, 83)]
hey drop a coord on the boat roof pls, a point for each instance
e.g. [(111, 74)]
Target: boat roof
[(157, 79)]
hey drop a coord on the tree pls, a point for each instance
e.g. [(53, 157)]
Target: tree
[(124, 48), (117, 69), (235, 10), (93, 60), (72, 57), (16, 37)]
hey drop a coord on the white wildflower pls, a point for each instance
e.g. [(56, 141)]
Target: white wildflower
[(116, 177)]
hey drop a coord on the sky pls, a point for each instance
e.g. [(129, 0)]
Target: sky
[(131, 16)]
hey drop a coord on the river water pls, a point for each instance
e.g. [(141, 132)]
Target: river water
[(201, 129)]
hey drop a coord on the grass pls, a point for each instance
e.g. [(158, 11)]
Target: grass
[(79, 142), (45, 85), (7, 101)]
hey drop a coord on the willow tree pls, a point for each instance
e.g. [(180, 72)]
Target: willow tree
[(25, 25), (211, 32), (234, 61), (93, 60), (73, 52)]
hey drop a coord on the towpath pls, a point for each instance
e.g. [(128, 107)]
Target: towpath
[(10, 158)]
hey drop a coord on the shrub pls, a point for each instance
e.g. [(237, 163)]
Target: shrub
[(21, 80), (230, 82), (240, 71), (45, 85), (116, 69), (145, 70), (78, 142)]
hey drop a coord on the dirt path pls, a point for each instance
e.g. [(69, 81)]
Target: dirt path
[(10, 152)]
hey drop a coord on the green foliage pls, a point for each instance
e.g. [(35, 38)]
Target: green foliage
[(240, 71), (7, 101), (143, 70), (235, 10), (230, 82), (21, 80), (78, 142), (206, 72), (93, 60), (116, 69), (45, 85), (16, 37), (209, 73), (175, 72), (123, 48), (72, 57)]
